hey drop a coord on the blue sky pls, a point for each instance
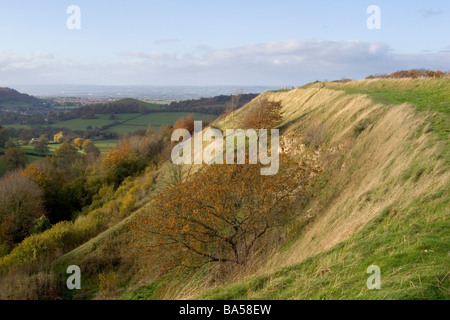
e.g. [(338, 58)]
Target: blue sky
[(217, 42)]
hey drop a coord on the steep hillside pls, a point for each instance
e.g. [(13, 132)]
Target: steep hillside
[(382, 199)]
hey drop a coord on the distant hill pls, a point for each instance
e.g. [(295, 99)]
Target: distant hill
[(216, 106), (10, 97)]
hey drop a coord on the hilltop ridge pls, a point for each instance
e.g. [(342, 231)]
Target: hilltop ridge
[(10, 96)]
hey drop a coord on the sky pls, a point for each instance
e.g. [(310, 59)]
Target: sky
[(217, 42)]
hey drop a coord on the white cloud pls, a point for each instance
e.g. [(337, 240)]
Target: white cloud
[(43, 55), (291, 62)]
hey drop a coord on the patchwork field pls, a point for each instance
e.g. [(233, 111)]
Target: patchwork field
[(127, 122), (84, 124), (156, 120)]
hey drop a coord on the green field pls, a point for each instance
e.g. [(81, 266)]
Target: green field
[(156, 120), (52, 147), (106, 145), (129, 122), (15, 104), (83, 124)]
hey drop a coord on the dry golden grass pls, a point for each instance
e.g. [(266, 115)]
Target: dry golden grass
[(368, 169)]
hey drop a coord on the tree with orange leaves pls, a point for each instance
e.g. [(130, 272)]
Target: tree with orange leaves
[(185, 123), (223, 212), (264, 114), (78, 143)]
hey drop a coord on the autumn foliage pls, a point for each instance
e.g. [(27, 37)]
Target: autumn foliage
[(223, 212), (15, 158), (265, 114), (185, 123), (20, 206), (78, 143), (413, 73)]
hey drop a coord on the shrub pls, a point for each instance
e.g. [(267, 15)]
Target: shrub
[(21, 203), (78, 143), (209, 219), (264, 114), (108, 284), (88, 146), (185, 123), (315, 136), (128, 204), (360, 127), (21, 285), (414, 73), (15, 158)]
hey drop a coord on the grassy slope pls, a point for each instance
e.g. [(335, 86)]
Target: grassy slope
[(383, 200)]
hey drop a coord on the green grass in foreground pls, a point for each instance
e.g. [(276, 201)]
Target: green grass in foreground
[(410, 247), (410, 243)]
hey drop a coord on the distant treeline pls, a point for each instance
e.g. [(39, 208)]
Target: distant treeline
[(39, 120), (216, 105), (121, 106), (36, 131), (414, 73)]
